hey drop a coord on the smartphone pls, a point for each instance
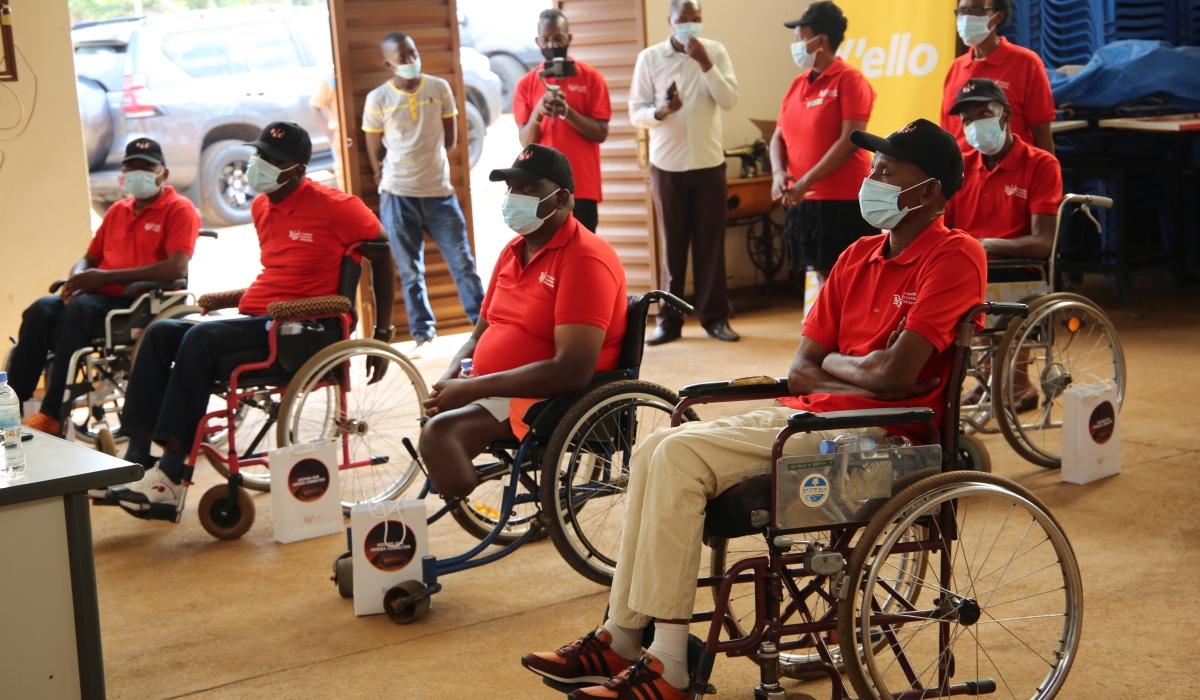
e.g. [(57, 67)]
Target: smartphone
[(672, 91)]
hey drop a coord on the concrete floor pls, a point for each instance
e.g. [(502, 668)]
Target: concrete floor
[(184, 615)]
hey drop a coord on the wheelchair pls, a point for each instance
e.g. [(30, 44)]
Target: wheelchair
[(1066, 339), (565, 480), (95, 389), (309, 384), (894, 573)]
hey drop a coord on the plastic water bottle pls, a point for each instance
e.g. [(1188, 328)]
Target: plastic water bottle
[(10, 423), (856, 442), (465, 366)]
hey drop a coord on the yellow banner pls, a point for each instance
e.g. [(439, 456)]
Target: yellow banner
[(904, 49)]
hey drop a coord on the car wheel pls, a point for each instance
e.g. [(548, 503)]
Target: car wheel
[(225, 193), (476, 130), (510, 70)]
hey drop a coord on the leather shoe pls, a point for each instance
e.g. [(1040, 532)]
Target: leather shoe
[(722, 331), (663, 335)]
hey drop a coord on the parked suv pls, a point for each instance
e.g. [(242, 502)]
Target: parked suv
[(204, 82)]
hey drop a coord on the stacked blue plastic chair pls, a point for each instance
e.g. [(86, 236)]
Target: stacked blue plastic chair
[(1188, 22), (1024, 27), (1072, 30), (1154, 20)]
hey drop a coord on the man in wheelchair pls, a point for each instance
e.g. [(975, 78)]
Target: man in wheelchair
[(554, 314), (149, 236), (880, 334), (304, 230)]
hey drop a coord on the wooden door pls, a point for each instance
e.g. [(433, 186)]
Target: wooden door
[(608, 34), (357, 27)]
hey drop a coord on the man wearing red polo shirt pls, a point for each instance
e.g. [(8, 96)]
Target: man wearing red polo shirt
[(148, 236), (881, 332), (1017, 70), (817, 170), (573, 119), (304, 231), (553, 315)]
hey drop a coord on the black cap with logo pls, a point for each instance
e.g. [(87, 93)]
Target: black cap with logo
[(978, 90), (285, 141), (924, 144), (538, 162), (144, 149), (823, 18)]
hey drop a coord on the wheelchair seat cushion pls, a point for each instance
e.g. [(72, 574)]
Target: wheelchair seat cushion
[(730, 514)]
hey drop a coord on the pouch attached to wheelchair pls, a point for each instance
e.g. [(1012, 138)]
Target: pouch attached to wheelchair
[(306, 499), (815, 491), (388, 543), (1091, 433), (300, 340)]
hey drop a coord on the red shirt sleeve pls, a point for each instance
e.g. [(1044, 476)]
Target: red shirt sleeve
[(856, 98), (354, 222), (523, 100), (1039, 99), (952, 284), (96, 247), (587, 292), (600, 104), (1046, 186), (822, 321), (183, 228)]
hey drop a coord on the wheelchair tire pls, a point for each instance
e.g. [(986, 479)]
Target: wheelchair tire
[(973, 454), (960, 623), (375, 421), (1048, 352), (589, 433), (222, 521)]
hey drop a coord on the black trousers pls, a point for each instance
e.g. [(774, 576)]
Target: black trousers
[(47, 325), (691, 209), (587, 214)]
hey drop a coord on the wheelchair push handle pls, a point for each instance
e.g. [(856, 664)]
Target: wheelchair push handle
[(208, 233), (1000, 308), (1099, 201), (57, 286), (670, 300)]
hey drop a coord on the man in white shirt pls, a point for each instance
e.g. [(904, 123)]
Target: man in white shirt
[(679, 86)]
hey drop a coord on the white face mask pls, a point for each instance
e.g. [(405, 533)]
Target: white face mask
[(408, 71), (686, 30), (520, 211), (142, 184), (986, 136), (263, 177), (973, 30), (801, 56), (880, 203)]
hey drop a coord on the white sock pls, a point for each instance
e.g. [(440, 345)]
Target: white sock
[(670, 647), (625, 641)]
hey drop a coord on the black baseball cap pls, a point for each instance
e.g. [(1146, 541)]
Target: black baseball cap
[(285, 141), (823, 18), (978, 90), (924, 144), (144, 149), (538, 162)]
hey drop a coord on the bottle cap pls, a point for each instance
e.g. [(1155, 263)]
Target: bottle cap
[(3, 376), (466, 363), (828, 447)]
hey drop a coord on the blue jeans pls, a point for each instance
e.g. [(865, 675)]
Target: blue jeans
[(405, 218)]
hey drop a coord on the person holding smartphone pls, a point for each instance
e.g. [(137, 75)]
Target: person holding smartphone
[(679, 89)]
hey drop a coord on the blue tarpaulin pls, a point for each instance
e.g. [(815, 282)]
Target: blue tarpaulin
[(1131, 70)]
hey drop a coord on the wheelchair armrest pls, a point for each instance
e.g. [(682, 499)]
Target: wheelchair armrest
[(312, 307), (670, 300), (134, 288), (57, 286), (864, 418), (1016, 262), (214, 301), (748, 387)]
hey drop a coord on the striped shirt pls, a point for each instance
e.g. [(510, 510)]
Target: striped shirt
[(411, 124)]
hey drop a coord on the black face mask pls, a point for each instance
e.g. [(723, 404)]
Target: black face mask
[(556, 52)]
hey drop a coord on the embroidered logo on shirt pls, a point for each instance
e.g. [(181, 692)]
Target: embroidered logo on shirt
[(1011, 190), (1002, 84), (300, 236), (829, 92), (575, 87), (899, 300), (546, 280), (157, 228)]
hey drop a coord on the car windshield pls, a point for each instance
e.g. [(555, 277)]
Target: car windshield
[(104, 63), (313, 31), (203, 53)]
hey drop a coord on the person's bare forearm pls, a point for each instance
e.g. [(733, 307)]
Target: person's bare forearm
[(1043, 137), (162, 271), (873, 372), (375, 151), (83, 263), (531, 131), (590, 129), (808, 378), (837, 156), (1024, 247), (779, 159), (537, 379), (383, 281)]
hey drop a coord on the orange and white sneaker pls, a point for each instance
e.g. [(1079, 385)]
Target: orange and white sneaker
[(589, 659), (41, 421), (641, 681)]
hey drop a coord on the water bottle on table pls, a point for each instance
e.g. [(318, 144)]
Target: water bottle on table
[(862, 442), (10, 423)]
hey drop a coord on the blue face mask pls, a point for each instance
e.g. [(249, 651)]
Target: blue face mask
[(263, 177), (880, 203), (520, 212), (801, 56), (142, 184), (986, 136), (686, 30), (408, 71)]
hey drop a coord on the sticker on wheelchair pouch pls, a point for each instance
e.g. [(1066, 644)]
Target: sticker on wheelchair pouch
[(814, 491)]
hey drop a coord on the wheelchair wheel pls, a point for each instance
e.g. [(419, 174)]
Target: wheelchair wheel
[(254, 436), (480, 512), (1003, 610), (1065, 340), (331, 396), (225, 520), (586, 470), (973, 454)]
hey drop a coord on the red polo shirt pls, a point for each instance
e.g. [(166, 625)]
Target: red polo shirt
[(302, 241), (575, 278), (1001, 203), (1019, 72), (936, 280), (125, 240), (586, 93), (811, 122)]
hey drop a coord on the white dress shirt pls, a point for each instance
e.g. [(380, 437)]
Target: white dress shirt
[(689, 139)]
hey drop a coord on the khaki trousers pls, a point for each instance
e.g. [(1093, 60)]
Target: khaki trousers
[(672, 477)]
